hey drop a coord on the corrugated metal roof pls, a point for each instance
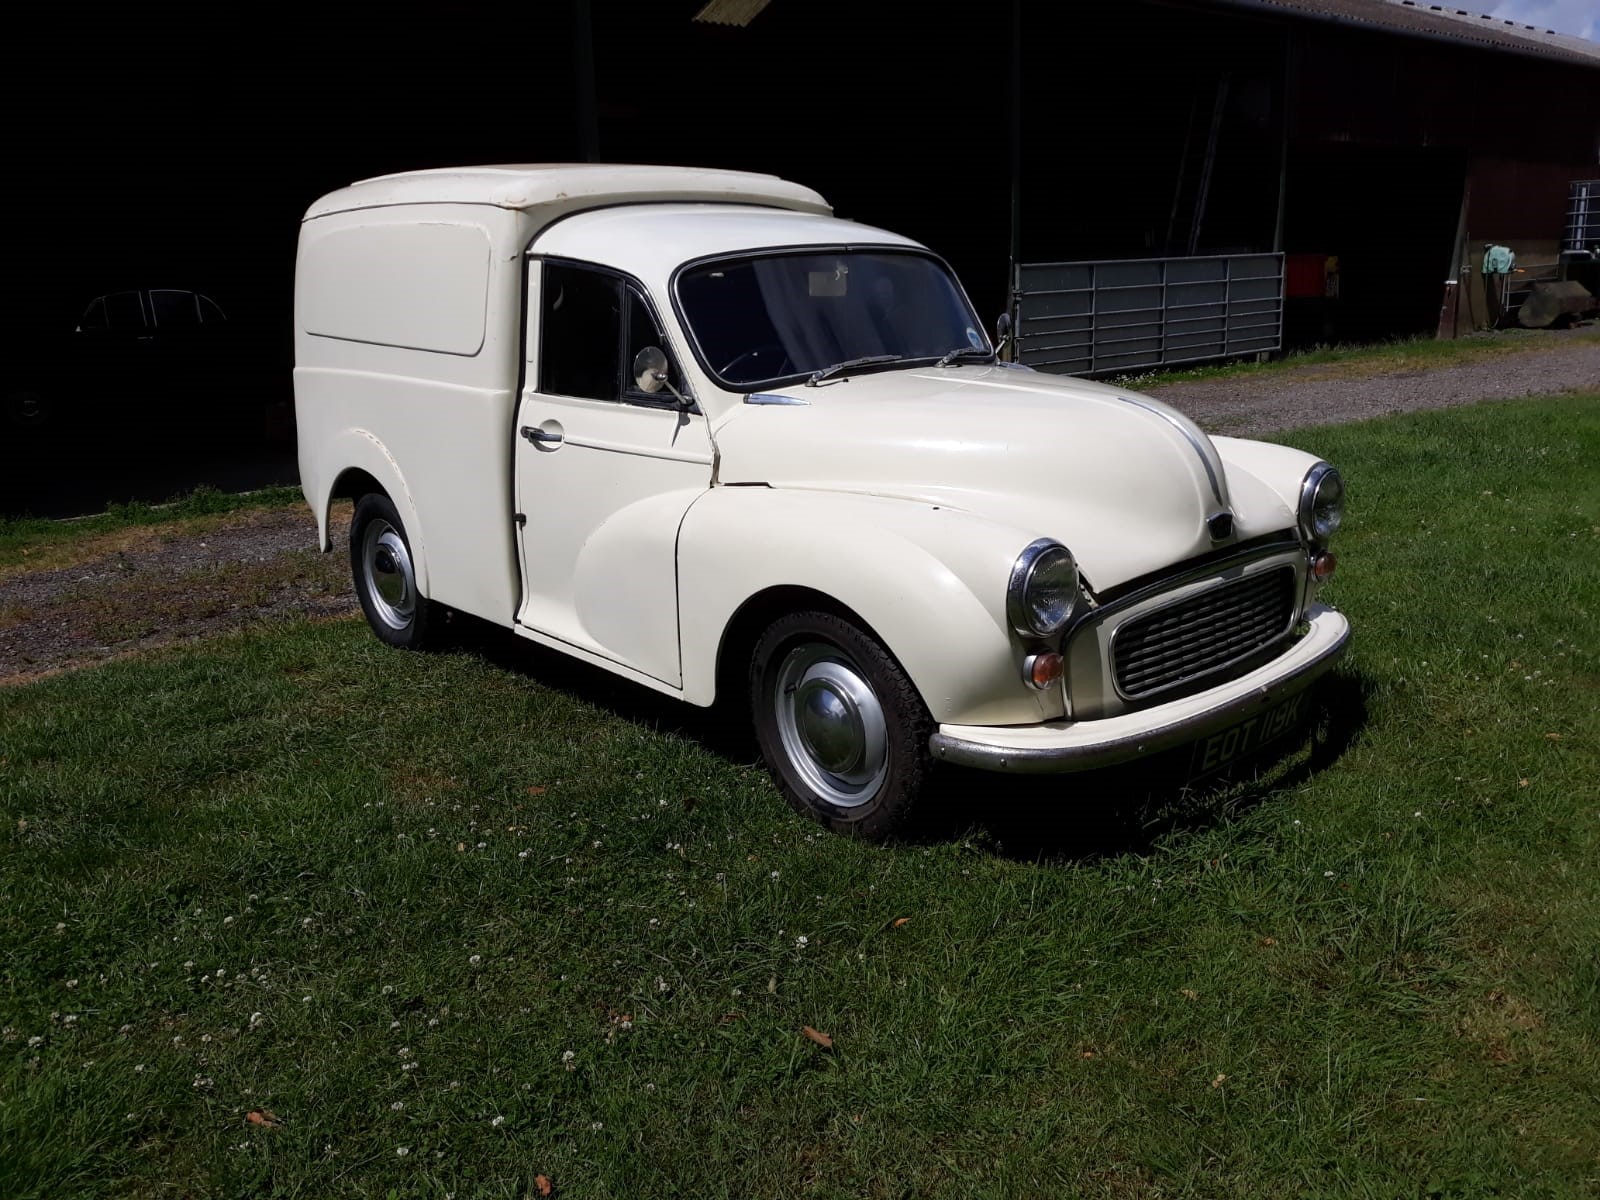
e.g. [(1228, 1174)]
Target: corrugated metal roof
[(731, 12), (1419, 18)]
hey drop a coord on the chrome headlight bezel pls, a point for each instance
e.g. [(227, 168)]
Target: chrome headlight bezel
[(1321, 476), (1037, 558)]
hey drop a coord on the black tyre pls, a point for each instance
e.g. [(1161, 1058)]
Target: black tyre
[(842, 729), (386, 580)]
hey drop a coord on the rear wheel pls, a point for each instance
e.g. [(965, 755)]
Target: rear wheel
[(841, 727), (386, 578)]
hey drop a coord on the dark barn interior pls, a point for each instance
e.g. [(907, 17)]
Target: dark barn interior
[(157, 152)]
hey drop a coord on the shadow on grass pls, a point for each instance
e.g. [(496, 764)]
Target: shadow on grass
[(1075, 817), (1127, 809)]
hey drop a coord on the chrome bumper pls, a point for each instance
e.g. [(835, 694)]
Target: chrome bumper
[(1060, 746)]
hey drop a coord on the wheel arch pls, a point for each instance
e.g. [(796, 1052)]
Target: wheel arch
[(926, 584), (366, 466), (751, 619)]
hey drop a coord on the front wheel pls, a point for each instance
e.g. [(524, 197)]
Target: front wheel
[(386, 579), (841, 727)]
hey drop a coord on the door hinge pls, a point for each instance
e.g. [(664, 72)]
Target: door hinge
[(522, 519)]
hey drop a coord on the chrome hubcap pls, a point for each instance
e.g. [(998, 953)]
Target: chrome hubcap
[(831, 725), (391, 584)]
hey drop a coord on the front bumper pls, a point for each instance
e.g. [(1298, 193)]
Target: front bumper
[(1060, 746)]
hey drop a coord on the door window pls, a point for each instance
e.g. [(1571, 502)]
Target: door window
[(174, 308), (125, 311), (593, 325), (581, 332)]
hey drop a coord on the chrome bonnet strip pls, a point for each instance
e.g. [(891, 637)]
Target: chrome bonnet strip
[(1188, 436)]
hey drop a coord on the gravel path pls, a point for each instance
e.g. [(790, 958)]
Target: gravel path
[(1251, 405), (178, 585)]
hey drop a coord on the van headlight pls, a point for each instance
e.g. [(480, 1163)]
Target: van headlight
[(1044, 589), (1321, 502)]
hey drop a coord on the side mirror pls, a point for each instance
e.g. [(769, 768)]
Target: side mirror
[(1002, 327), (650, 369), (650, 373)]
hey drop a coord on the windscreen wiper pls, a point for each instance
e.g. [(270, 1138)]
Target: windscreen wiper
[(963, 352), (850, 363)]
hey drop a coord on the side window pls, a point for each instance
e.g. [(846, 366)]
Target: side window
[(210, 314), (174, 308), (580, 333), (94, 317), (643, 331), (124, 311)]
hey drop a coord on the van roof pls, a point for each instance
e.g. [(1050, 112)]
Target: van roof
[(569, 186)]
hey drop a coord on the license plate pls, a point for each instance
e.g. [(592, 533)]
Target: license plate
[(1231, 744)]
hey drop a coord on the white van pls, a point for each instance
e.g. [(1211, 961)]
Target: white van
[(689, 427)]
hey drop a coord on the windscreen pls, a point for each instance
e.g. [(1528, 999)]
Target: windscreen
[(768, 318)]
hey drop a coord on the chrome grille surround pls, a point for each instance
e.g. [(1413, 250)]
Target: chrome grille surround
[(1091, 690), (1203, 634)]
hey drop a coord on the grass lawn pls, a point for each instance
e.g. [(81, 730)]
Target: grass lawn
[(446, 924), (1401, 354)]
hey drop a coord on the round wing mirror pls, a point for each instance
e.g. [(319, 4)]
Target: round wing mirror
[(1002, 326), (650, 369)]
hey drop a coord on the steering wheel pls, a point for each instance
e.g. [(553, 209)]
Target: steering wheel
[(781, 359)]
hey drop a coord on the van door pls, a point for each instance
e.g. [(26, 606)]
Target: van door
[(604, 471)]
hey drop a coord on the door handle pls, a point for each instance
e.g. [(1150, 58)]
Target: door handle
[(542, 437)]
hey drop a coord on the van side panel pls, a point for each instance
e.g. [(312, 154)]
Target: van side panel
[(407, 348), (397, 283)]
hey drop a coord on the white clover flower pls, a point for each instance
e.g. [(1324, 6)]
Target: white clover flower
[(227, 920), (774, 875), (139, 1070), (388, 989), (72, 983), (802, 942), (1327, 874), (304, 921), (524, 854), (475, 960), (305, 999), (402, 1151), (497, 1122), (35, 1040), (397, 1106)]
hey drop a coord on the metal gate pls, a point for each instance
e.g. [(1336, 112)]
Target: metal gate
[(1132, 314), (1582, 234)]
